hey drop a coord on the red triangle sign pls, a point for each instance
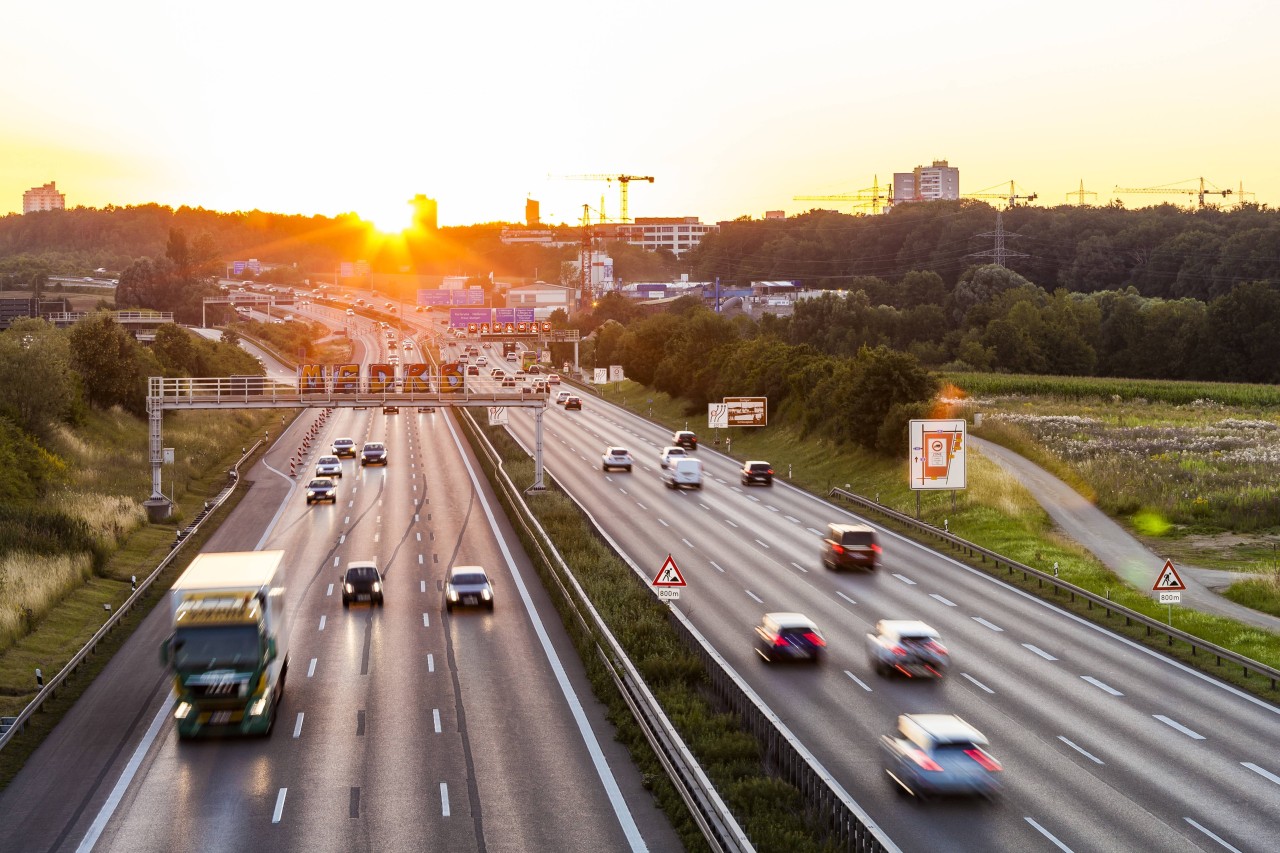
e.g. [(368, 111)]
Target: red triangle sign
[(1168, 580), (669, 574)]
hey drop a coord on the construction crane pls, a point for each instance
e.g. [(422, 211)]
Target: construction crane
[(1012, 196), (868, 197), (623, 180), (1080, 194), (1244, 196), (1169, 189)]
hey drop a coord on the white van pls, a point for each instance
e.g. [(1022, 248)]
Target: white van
[(683, 472)]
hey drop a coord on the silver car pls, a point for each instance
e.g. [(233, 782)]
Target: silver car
[(616, 457), (322, 489), (670, 453), (907, 647), (940, 754), (468, 586), (328, 466)]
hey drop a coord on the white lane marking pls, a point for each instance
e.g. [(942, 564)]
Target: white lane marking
[(607, 477), (418, 535), (735, 488), (351, 503), (982, 621), (814, 532), (714, 566), (937, 597), (1081, 750), (977, 682), (377, 519), (754, 498), (762, 544), (1175, 725), (122, 784), (792, 519), (642, 506), (330, 592), (730, 523), (419, 559), (311, 667), (377, 536), (1047, 834), (1263, 773), (435, 715), (1212, 835), (297, 727), (426, 620), (415, 517), (687, 542), (756, 598), (422, 586), (800, 567), (346, 520), (908, 581), (1098, 684), (771, 508), (335, 564), (704, 506), (279, 810), (1038, 651), (342, 539), (845, 597), (444, 799), (431, 663), (663, 523), (322, 623), (857, 679)]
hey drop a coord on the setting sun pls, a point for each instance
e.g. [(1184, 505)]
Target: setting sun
[(390, 217)]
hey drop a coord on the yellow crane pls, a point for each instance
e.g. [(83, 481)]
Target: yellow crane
[(1012, 196), (1170, 189), (1080, 194), (623, 180), (869, 197), (1244, 196)]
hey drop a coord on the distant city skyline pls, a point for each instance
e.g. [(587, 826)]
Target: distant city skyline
[(734, 111)]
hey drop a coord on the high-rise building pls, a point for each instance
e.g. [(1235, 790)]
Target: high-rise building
[(677, 234), (46, 197), (927, 183), (425, 213), (532, 213)]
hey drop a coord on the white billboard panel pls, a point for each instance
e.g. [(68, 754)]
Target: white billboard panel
[(937, 453)]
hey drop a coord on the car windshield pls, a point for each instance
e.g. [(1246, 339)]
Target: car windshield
[(857, 538), (617, 451), (196, 649), (320, 484), (328, 460), (373, 447), (760, 466), (471, 579), (362, 573)]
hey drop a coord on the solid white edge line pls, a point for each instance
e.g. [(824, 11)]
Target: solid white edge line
[(1212, 835), (297, 727), (859, 680), (1264, 773), (977, 682), (1049, 835), (122, 784), (1081, 750), (279, 810), (619, 803), (1173, 724)]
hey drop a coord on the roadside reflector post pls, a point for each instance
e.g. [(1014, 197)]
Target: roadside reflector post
[(39, 678)]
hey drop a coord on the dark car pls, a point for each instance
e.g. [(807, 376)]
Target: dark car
[(322, 489), (850, 546), (468, 586), (573, 403), (344, 447), (373, 453), (757, 472), (685, 438), (788, 636), (362, 582)]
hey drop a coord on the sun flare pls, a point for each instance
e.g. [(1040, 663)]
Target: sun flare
[(390, 217)]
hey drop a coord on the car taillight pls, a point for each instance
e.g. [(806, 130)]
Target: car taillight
[(986, 761), (780, 641), (839, 549), (814, 639), (924, 761), (898, 650), (936, 647), (769, 472), (875, 548)]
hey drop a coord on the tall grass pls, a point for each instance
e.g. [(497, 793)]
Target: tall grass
[(32, 584)]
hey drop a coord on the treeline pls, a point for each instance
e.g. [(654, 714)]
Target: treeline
[(1161, 251), (699, 356)]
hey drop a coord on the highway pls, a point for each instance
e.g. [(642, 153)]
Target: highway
[(1105, 744), (401, 728)]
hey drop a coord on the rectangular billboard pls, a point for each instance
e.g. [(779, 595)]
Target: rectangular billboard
[(937, 453), (747, 411)]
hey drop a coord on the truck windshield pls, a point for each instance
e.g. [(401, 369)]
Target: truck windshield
[(215, 647)]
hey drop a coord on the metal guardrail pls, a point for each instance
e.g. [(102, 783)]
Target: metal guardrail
[(1248, 665), (51, 686), (713, 817)]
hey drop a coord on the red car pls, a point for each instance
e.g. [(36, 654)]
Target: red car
[(573, 403)]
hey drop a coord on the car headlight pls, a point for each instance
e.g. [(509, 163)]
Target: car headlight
[(377, 587), (484, 593), (453, 594), (348, 587), (180, 713), (256, 709)]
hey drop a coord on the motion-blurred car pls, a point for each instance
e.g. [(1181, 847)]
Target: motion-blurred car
[(482, 360), (940, 754), (508, 382), (573, 403), (468, 586), (344, 447), (789, 636), (328, 466), (373, 453), (562, 396), (669, 453), (685, 438), (616, 457), (850, 546), (908, 647), (553, 379), (757, 472), (362, 582), (322, 489), (390, 410)]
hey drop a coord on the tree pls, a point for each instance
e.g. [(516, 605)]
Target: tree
[(37, 386), (111, 364)]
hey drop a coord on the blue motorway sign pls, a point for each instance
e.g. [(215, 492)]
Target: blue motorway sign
[(459, 318), (524, 315), (433, 297), (466, 297), (504, 315)]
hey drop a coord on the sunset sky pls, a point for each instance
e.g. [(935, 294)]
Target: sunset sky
[(321, 107)]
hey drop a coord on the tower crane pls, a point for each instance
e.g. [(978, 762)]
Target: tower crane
[(1168, 189), (1080, 194), (623, 180), (868, 197), (1244, 196), (1012, 196)]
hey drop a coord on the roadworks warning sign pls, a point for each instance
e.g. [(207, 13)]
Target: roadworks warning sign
[(669, 575)]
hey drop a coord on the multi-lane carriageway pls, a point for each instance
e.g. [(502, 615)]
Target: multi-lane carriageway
[(1106, 744)]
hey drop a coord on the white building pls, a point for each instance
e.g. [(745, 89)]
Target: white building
[(927, 183), (675, 234), (543, 298), (46, 197)]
